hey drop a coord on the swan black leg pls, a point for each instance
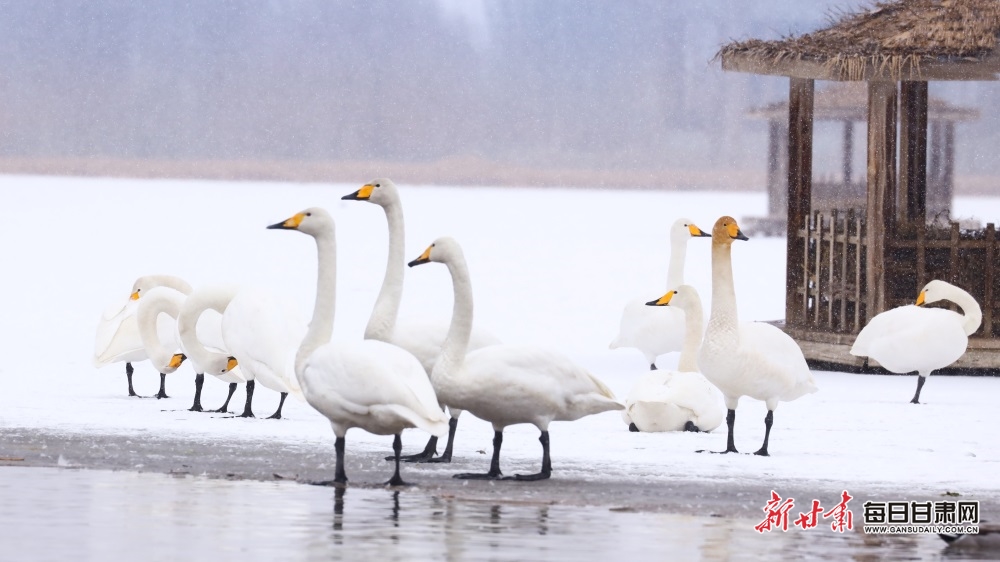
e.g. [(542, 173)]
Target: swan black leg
[(247, 411), (920, 385), (397, 448), (730, 442), (652, 366), (225, 407), (690, 426), (339, 477), (277, 415), (446, 456), (422, 456), (128, 373), (633, 428), (199, 380), (546, 463), (767, 434), (163, 387), (494, 472)]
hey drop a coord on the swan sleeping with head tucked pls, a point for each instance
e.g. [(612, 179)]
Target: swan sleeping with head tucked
[(370, 384), (423, 340), (681, 400), (117, 337), (507, 384), (747, 359), (655, 331), (913, 338)]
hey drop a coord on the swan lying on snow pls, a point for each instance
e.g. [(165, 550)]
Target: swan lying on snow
[(751, 358), (655, 331), (507, 384), (117, 337), (370, 384), (423, 340), (912, 338), (682, 399)]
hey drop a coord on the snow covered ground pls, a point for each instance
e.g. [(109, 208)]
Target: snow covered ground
[(549, 266)]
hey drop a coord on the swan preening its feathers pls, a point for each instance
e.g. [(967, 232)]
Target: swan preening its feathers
[(507, 384), (423, 340), (913, 338), (118, 338), (161, 348), (681, 400), (747, 359), (655, 331), (373, 385)]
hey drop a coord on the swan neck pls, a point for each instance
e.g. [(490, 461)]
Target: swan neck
[(154, 304), (723, 315), (187, 325), (321, 327), (382, 323), (678, 255), (693, 330), (972, 315), (456, 343)]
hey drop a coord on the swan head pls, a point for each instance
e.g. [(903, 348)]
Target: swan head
[(444, 249), (683, 297), (726, 230), (143, 284), (175, 362), (380, 191), (312, 221), (935, 291), (230, 364), (685, 229)]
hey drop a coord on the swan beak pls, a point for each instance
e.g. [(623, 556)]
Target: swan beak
[(921, 297), (734, 231), (697, 232), (176, 360), (362, 194), (231, 364), (664, 300), (290, 224), (134, 296), (424, 257)]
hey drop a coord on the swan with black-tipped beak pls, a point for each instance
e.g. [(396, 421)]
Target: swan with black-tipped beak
[(198, 330), (423, 340), (162, 353), (369, 384), (117, 338), (508, 384)]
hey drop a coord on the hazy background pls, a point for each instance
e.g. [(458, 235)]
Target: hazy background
[(585, 89)]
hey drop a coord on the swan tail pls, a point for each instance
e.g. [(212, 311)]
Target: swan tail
[(602, 388), (436, 424), (593, 403)]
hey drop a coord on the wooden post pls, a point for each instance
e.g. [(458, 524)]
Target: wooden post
[(989, 265), (912, 196), (948, 168), (848, 152), (881, 190), (800, 132)]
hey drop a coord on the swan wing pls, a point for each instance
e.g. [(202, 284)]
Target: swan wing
[(778, 360), (117, 334), (654, 330), (911, 338), (263, 332)]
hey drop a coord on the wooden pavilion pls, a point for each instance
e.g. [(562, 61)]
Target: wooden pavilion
[(844, 266), (846, 104)]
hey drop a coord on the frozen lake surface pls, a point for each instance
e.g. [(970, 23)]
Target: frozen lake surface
[(551, 267), (59, 514)]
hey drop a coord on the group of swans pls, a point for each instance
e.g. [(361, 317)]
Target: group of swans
[(250, 336)]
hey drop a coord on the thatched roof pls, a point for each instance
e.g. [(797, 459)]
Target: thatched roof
[(840, 101), (894, 40)]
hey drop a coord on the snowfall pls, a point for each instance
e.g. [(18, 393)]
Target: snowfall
[(550, 267)]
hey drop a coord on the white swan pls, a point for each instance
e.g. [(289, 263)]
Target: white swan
[(262, 331), (196, 331), (508, 384), (655, 331), (162, 351), (369, 384), (423, 340), (682, 399), (747, 359), (117, 337), (912, 338)]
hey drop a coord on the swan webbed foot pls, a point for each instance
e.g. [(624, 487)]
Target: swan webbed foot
[(423, 456), (277, 414), (196, 408), (246, 414), (396, 480), (443, 458), (652, 366), (762, 452), (221, 410), (726, 452), (161, 394), (633, 428), (690, 426), (545, 475), (163, 387), (334, 483), (479, 476)]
